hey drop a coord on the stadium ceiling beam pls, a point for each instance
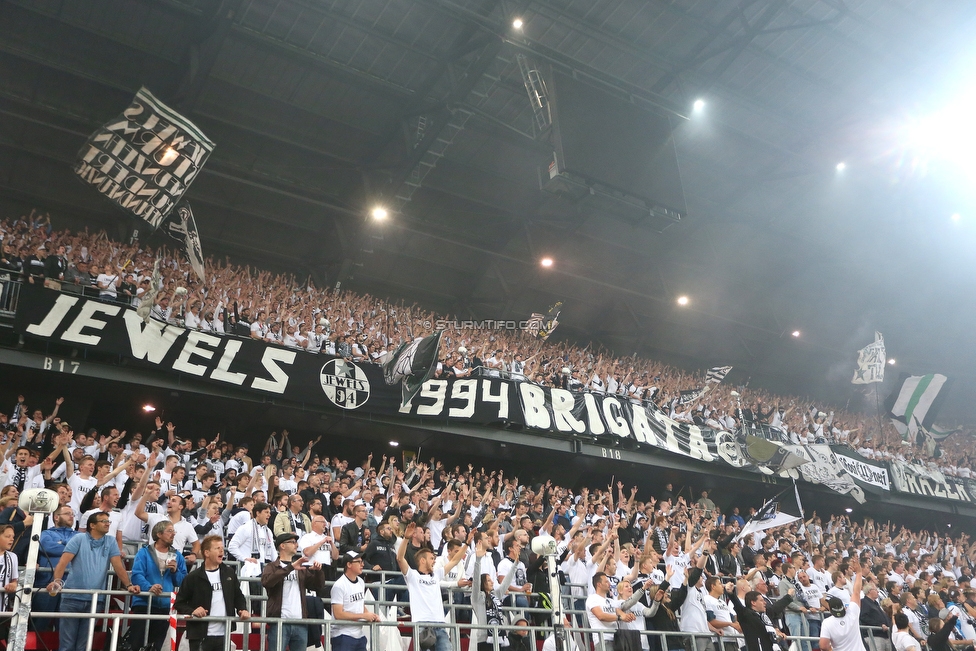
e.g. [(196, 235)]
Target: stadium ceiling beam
[(610, 81), (202, 53), (716, 32), (609, 38), (366, 28), (339, 70)]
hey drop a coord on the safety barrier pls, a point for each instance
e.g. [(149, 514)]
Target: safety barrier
[(576, 636)]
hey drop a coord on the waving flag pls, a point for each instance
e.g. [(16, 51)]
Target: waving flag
[(916, 402), (716, 374), (541, 326), (183, 228), (768, 517), (412, 364), (871, 362), (145, 159)]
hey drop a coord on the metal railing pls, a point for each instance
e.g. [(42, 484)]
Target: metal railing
[(575, 634), (9, 295)]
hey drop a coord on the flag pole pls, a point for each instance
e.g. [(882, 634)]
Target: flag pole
[(877, 402)]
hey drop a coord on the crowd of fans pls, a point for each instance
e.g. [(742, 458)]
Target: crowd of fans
[(165, 513), (283, 309), (156, 506)]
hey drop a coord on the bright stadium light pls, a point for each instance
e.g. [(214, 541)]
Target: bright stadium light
[(841, 166), (848, 510), (379, 213), (946, 136), (517, 23), (699, 104), (148, 409), (891, 361), (682, 300), (795, 333), (394, 444), (546, 262)]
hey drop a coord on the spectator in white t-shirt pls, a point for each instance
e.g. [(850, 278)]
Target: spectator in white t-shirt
[(902, 639), (842, 632), (348, 607), (423, 586), (602, 614)]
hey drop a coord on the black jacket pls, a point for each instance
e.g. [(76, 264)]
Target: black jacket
[(350, 537), (665, 619), (381, 552), (55, 266), (753, 626), (195, 591), (872, 614), (940, 641)]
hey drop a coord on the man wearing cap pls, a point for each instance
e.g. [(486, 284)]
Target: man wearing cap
[(348, 606), (286, 581), (841, 632)]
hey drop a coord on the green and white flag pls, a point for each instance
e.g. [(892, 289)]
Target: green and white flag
[(916, 402)]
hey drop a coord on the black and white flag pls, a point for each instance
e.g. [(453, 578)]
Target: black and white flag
[(871, 362), (183, 228), (692, 395), (412, 364), (541, 326), (716, 374), (145, 159), (769, 516)]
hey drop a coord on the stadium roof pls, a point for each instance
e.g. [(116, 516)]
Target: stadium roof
[(323, 109)]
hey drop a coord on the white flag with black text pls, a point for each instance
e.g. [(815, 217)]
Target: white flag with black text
[(871, 362)]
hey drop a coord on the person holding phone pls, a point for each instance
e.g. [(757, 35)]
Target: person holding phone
[(287, 581)]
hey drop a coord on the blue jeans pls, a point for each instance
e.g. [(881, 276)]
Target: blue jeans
[(443, 640), (348, 643), (797, 623), (814, 625), (73, 631), (44, 603), (294, 637)]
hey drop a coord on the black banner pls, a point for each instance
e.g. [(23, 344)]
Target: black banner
[(313, 379)]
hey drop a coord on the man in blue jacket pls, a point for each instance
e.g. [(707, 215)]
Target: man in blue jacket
[(157, 568), (52, 543)]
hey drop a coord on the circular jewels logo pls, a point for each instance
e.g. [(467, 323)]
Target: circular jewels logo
[(344, 384)]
